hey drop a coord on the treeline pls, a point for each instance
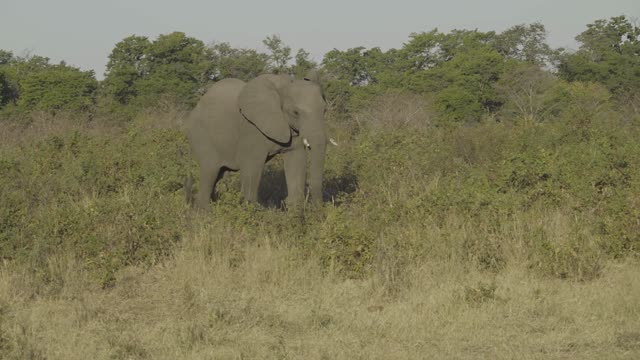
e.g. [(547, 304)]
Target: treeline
[(139, 74), (468, 75)]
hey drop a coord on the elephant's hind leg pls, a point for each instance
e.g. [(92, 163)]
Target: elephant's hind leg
[(209, 175)]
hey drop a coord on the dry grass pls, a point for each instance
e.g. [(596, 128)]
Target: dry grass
[(37, 126), (397, 110), (224, 297), (443, 284)]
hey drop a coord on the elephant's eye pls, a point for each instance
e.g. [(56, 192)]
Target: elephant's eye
[(296, 113)]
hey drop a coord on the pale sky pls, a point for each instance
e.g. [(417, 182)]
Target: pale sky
[(83, 32)]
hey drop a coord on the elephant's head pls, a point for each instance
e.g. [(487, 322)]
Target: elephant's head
[(283, 109)]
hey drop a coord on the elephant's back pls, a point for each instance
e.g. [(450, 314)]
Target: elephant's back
[(222, 90), (217, 104), (213, 122), (218, 97)]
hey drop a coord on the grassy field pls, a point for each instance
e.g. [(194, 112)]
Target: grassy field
[(497, 240), (216, 299)]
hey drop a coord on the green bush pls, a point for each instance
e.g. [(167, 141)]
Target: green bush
[(345, 242), (398, 195), (111, 201), (141, 72), (58, 87), (489, 172)]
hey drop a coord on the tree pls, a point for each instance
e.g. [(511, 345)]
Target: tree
[(280, 54), (5, 57), (459, 68), (141, 71), (176, 66), (355, 76), (230, 62), (303, 64), (127, 64), (23, 66), (460, 40), (464, 84), (357, 66), (245, 64), (527, 93), (421, 52), (31, 83), (58, 87), (525, 43), (5, 86), (609, 54)]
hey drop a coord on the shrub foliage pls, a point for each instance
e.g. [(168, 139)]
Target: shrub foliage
[(457, 147)]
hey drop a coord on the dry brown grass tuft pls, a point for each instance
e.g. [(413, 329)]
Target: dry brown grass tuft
[(40, 125), (167, 115), (221, 296), (397, 110)]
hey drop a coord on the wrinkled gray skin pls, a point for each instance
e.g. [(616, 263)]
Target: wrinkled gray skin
[(239, 126)]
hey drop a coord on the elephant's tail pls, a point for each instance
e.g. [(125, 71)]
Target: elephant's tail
[(188, 189)]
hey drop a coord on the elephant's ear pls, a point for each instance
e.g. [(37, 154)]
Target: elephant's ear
[(259, 102)]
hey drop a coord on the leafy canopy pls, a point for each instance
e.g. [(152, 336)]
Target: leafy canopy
[(32, 83), (609, 54), (173, 65)]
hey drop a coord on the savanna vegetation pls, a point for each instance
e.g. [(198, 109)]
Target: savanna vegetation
[(484, 202)]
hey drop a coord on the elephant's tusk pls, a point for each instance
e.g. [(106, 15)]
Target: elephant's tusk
[(333, 142), (306, 143)]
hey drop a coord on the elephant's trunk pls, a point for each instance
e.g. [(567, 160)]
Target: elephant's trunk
[(317, 144)]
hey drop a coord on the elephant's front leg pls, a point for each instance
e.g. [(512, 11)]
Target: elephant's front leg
[(295, 171), (250, 175)]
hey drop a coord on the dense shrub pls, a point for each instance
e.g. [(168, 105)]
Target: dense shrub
[(457, 147), (488, 175), (109, 200)]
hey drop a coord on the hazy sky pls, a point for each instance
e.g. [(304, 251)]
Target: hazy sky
[(83, 32)]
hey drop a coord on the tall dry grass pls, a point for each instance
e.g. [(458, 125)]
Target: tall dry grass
[(223, 297)]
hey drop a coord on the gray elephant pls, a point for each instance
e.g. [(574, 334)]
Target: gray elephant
[(239, 126)]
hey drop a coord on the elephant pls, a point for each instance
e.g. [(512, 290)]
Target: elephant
[(239, 126)]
